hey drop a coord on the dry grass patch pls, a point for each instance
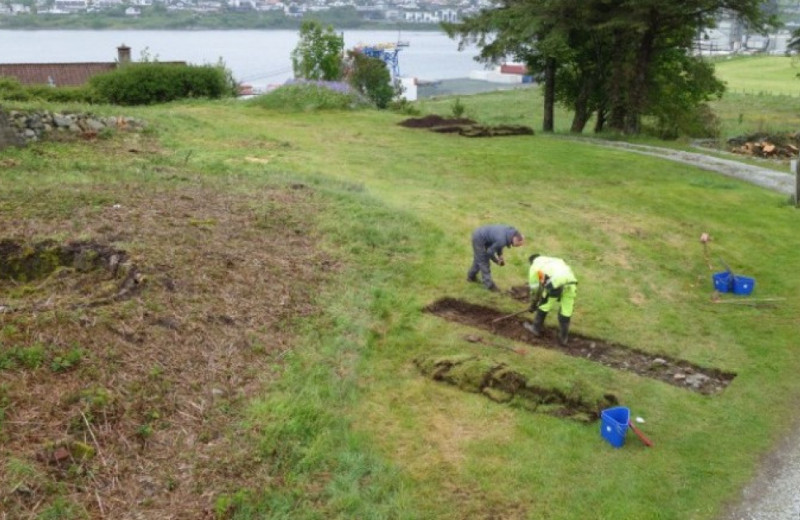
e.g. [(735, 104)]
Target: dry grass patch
[(126, 407)]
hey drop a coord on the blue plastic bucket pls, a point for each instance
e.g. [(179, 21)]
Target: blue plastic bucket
[(723, 282), (614, 425), (743, 284)]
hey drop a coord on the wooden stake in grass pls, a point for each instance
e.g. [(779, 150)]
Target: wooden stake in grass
[(704, 238), (751, 302), (796, 165)]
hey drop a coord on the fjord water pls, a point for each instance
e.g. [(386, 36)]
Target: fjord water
[(258, 57)]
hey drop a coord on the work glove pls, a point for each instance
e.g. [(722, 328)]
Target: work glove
[(500, 261)]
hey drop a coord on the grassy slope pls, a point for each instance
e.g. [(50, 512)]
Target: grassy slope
[(762, 95), (356, 432), (628, 224), (760, 75)]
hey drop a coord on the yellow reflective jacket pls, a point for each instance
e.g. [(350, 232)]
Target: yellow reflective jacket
[(546, 269)]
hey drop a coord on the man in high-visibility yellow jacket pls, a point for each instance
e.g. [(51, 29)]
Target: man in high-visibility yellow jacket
[(551, 280)]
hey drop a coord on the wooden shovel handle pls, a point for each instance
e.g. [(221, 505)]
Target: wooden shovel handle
[(647, 442)]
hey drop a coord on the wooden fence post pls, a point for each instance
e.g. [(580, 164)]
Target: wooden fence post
[(796, 164)]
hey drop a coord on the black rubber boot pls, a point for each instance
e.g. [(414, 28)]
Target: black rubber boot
[(563, 329), (537, 325)]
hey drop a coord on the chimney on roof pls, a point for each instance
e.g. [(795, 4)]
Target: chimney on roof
[(123, 54)]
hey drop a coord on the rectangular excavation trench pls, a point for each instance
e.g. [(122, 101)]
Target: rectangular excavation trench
[(676, 372)]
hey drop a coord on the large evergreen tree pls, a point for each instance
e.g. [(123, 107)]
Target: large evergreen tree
[(611, 58)]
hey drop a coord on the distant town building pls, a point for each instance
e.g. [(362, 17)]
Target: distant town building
[(729, 36), (70, 6)]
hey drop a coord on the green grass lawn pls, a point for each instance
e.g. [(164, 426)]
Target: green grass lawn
[(353, 430), (739, 114), (760, 75), (763, 95)]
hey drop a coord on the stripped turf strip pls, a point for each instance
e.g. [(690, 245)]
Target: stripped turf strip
[(677, 372)]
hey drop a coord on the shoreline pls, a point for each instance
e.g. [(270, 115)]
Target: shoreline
[(181, 22), (198, 29)]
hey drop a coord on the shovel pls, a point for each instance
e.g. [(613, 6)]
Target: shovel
[(647, 442), (501, 318)]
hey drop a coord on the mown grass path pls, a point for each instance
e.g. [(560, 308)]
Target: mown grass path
[(763, 177)]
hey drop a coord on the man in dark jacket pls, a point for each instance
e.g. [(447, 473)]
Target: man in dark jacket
[(487, 245)]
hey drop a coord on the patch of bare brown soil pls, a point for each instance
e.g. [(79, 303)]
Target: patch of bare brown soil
[(519, 293), (433, 121), (128, 407), (464, 127), (672, 371)]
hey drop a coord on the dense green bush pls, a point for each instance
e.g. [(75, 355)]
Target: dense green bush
[(371, 77), (700, 122), (13, 90), (150, 83), (61, 94), (309, 96)]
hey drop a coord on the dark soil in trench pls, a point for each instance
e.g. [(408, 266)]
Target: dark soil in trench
[(672, 371), (464, 127), (433, 120)]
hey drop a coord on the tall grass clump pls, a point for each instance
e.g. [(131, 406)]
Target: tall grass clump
[(13, 90), (310, 96)]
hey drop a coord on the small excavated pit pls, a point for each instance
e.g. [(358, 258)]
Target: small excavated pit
[(672, 371), (21, 262), (502, 384), (464, 127), (25, 262)]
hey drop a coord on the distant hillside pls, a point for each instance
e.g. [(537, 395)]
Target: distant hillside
[(187, 20)]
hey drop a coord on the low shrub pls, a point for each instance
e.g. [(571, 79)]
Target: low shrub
[(700, 122), (151, 83), (13, 90), (308, 96), (61, 94)]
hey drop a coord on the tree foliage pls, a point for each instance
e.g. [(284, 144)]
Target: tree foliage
[(370, 77), (319, 52), (619, 60)]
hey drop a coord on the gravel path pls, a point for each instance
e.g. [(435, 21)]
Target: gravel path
[(766, 178), (774, 492)]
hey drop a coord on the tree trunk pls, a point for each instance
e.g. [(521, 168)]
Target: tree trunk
[(581, 106), (617, 83), (601, 120), (549, 94), (638, 89)]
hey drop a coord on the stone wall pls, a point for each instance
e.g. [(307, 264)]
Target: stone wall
[(18, 127), (8, 137)]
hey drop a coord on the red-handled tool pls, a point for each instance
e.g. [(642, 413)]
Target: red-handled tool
[(647, 442)]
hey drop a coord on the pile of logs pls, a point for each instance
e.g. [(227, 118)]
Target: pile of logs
[(767, 146)]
